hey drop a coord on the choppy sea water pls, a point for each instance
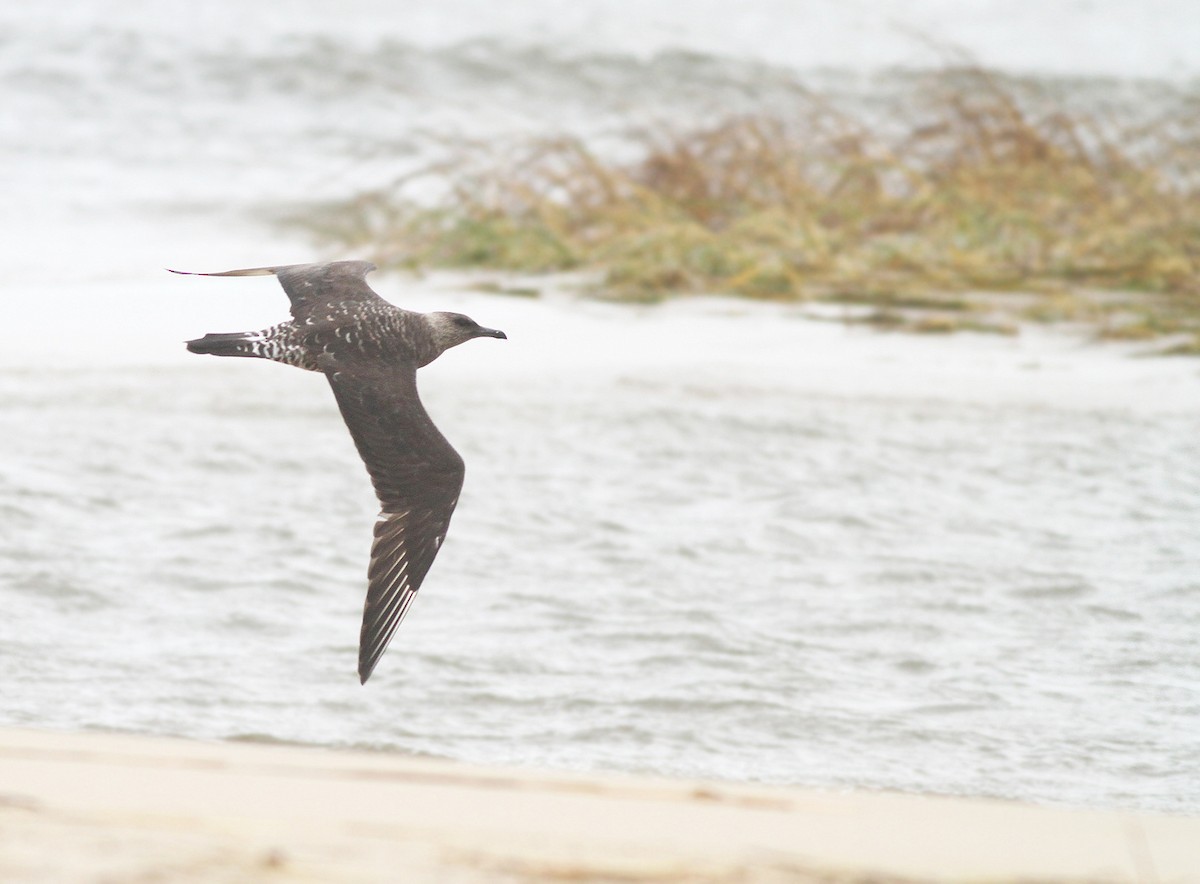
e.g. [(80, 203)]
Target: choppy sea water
[(700, 539), (706, 538)]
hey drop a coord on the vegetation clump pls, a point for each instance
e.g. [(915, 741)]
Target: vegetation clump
[(972, 182)]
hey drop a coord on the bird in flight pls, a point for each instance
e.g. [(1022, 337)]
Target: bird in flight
[(370, 350)]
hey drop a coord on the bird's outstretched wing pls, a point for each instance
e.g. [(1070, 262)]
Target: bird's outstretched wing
[(314, 289), (417, 477)]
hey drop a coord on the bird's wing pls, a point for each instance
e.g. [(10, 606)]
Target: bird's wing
[(417, 477), (314, 289)]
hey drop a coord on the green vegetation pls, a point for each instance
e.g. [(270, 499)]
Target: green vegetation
[(972, 183)]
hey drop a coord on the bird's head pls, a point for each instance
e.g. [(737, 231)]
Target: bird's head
[(452, 329)]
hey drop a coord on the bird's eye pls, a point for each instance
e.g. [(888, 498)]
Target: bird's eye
[(463, 321)]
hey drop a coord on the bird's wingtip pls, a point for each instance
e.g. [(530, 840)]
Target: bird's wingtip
[(365, 667), (248, 271)]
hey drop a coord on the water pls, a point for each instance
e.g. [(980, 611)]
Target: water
[(706, 538)]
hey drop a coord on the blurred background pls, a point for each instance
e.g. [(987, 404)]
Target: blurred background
[(835, 441)]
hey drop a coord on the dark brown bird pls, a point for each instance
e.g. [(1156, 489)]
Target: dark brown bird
[(370, 351)]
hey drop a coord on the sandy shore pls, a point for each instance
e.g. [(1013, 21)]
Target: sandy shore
[(91, 807)]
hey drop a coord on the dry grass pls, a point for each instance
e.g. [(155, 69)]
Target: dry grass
[(972, 182)]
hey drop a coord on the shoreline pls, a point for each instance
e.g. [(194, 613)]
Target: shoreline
[(119, 807)]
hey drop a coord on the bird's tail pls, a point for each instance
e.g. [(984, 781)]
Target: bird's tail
[(279, 343), (251, 344)]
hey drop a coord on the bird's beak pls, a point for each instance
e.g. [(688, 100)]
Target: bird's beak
[(492, 333)]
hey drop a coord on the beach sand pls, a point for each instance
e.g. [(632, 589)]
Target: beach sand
[(104, 807)]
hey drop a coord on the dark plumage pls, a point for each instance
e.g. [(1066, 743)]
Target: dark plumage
[(370, 351)]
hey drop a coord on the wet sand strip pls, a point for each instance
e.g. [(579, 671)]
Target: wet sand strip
[(103, 807)]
